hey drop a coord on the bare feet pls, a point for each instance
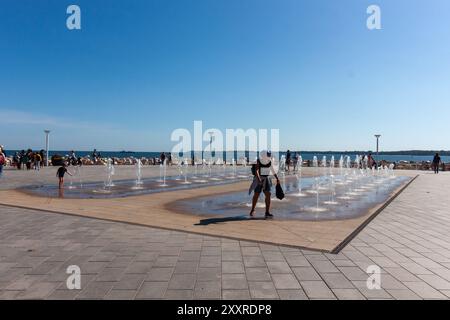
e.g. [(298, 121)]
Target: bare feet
[(252, 214)]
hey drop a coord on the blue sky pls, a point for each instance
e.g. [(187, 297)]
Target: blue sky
[(137, 70)]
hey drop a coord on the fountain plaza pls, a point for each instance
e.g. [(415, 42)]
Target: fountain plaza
[(207, 198), (183, 232)]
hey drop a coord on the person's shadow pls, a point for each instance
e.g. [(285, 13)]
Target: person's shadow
[(205, 222)]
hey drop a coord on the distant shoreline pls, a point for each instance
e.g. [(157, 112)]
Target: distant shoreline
[(381, 153), (416, 156)]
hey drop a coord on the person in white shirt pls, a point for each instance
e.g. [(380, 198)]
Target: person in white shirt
[(262, 181)]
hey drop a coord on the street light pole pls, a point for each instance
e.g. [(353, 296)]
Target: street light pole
[(378, 138), (210, 145), (47, 133)]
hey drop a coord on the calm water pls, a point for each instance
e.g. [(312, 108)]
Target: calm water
[(305, 155), (75, 189)]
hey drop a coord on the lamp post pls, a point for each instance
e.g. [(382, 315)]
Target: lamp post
[(211, 133), (378, 138), (47, 133)]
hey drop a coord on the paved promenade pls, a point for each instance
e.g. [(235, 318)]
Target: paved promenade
[(409, 241)]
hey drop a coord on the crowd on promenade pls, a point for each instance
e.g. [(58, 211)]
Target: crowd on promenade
[(293, 159), (96, 158), (34, 160), (23, 160)]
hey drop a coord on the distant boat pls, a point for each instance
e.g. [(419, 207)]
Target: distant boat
[(123, 151)]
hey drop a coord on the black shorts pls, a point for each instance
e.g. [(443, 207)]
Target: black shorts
[(264, 186)]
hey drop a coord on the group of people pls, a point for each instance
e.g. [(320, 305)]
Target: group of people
[(28, 159), (371, 163), (163, 157), (74, 160)]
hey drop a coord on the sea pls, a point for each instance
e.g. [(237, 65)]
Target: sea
[(306, 155)]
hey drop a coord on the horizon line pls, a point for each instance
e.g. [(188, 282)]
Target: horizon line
[(293, 150)]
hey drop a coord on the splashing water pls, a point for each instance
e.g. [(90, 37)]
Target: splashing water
[(110, 171), (185, 171), (164, 171), (138, 183), (331, 165)]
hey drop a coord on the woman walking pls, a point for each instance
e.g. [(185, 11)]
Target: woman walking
[(262, 182), (436, 163)]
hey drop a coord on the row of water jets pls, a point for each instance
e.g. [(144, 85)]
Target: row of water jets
[(204, 171), (354, 180), (351, 177), (199, 172)]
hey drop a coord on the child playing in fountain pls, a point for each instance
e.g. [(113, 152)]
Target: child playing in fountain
[(60, 174)]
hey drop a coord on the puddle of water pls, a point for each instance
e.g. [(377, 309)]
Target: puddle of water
[(349, 200), (125, 188)]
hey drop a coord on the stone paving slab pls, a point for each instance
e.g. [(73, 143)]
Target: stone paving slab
[(409, 240)]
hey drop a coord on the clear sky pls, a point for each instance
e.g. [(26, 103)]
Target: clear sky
[(139, 69)]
